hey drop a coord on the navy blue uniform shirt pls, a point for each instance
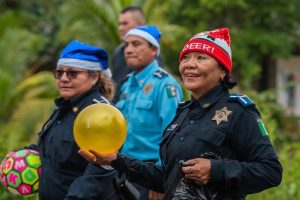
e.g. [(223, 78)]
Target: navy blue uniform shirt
[(66, 174), (227, 127)]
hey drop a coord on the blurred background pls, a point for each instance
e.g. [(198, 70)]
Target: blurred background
[(266, 56)]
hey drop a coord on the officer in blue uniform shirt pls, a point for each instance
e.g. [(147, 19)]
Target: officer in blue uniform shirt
[(148, 98)]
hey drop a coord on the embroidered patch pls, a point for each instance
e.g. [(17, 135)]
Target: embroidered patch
[(262, 128), (147, 88), (221, 115), (171, 91)]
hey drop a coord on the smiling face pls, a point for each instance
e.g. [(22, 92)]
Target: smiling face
[(73, 87), (200, 73), (138, 53)]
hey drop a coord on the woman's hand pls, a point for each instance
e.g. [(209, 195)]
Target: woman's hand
[(97, 158), (197, 170)]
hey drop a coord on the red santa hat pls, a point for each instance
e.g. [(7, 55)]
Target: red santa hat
[(215, 43)]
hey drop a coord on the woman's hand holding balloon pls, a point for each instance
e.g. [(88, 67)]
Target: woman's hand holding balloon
[(97, 158)]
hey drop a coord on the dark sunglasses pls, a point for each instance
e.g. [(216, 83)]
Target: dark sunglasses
[(71, 74)]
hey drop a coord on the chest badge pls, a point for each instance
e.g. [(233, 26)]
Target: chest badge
[(221, 115), (147, 88)]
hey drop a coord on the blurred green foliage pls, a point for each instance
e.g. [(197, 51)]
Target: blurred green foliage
[(33, 32)]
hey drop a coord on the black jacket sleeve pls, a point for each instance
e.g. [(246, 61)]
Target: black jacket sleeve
[(31, 146), (148, 175), (257, 166), (92, 185)]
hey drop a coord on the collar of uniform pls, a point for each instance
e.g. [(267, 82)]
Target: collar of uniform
[(185, 104), (147, 72), (212, 96), (75, 101)]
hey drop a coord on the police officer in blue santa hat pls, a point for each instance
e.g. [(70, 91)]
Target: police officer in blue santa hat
[(83, 78)]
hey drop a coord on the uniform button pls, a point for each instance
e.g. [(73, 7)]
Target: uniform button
[(206, 105), (192, 121), (75, 109), (181, 138), (58, 122)]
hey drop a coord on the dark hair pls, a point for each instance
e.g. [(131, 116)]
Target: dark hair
[(106, 85), (132, 9), (228, 81), (138, 13)]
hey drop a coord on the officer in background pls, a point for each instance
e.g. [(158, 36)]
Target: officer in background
[(129, 18), (149, 96)]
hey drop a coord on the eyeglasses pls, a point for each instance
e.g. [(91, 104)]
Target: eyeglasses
[(71, 74)]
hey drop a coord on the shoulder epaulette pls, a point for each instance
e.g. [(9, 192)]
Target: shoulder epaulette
[(160, 73), (244, 100), (183, 104), (125, 78), (101, 100)]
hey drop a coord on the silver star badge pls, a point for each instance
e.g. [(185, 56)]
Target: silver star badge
[(221, 115)]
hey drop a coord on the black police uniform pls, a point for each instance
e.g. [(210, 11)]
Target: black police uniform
[(223, 128), (66, 174)]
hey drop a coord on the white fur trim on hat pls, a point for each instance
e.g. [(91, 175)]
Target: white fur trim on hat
[(82, 64), (107, 72), (146, 36)]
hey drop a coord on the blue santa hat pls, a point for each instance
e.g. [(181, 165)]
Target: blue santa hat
[(84, 56), (149, 33)]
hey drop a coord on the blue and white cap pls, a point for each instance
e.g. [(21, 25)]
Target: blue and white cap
[(149, 33), (84, 56)]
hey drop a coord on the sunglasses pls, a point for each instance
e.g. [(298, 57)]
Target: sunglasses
[(71, 74)]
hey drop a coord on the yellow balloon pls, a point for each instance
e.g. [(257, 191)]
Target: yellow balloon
[(100, 127)]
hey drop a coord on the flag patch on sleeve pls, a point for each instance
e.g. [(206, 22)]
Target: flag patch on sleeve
[(171, 91), (262, 128)]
